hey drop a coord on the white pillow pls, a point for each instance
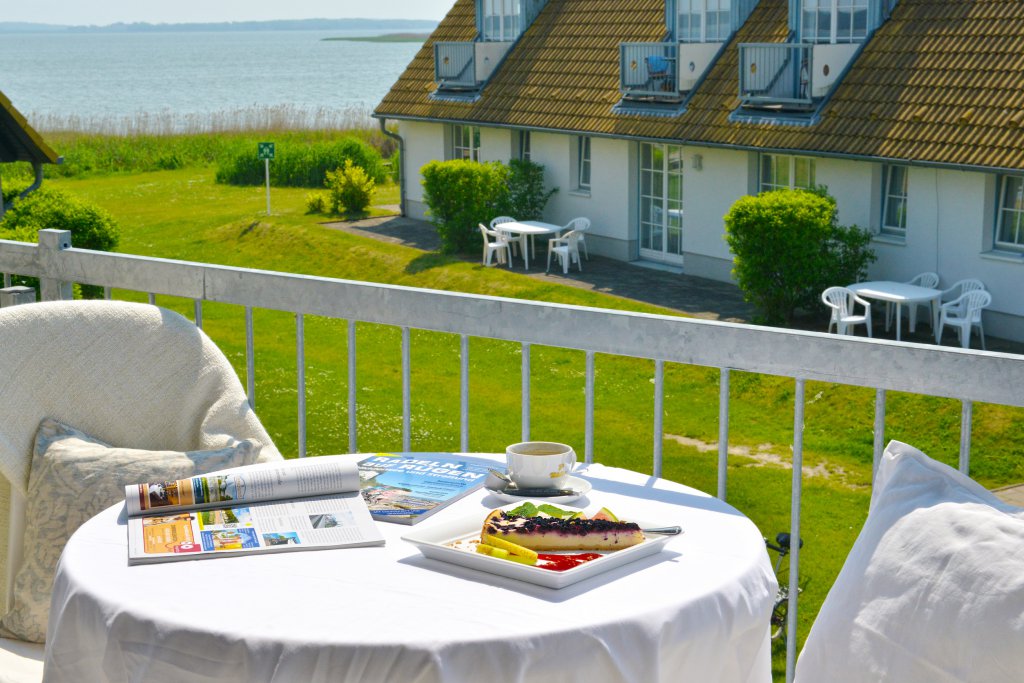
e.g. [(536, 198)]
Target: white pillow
[(74, 477), (933, 589)]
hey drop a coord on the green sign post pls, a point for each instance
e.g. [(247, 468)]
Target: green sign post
[(265, 151)]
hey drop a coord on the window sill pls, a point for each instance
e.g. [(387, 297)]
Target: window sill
[(1004, 256), (579, 192), (883, 238)]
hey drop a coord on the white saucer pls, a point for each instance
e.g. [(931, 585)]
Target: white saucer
[(582, 486)]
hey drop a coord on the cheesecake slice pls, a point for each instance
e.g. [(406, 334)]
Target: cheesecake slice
[(552, 533)]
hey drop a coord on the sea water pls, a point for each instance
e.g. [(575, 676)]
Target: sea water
[(103, 76)]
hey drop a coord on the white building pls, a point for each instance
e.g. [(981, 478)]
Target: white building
[(653, 116)]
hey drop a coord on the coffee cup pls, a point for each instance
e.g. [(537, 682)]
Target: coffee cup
[(540, 464)]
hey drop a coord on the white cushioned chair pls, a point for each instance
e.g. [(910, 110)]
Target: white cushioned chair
[(132, 375)]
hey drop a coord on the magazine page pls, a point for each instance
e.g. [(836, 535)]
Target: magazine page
[(333, 521), (265, 481), (407, 487)]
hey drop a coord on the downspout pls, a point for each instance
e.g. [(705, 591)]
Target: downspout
[(401, 162), (38, 168)]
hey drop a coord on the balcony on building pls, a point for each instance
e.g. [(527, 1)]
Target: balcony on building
[(466, 66), (825, 37), (696, 31)]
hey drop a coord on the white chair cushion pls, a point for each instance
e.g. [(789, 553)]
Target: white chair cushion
[(74, 477), (20, 662), (933, 588)]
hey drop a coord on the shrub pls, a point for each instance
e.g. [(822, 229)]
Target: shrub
[(395, 168), (460, 194), (91, 227), (351, 189), (300, 165), (527, 194), (788, 248), (316, 202)]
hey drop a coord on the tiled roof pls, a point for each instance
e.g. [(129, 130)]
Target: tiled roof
[(18, 140), (941, 81)]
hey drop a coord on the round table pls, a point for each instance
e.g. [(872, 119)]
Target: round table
[(698, 610)]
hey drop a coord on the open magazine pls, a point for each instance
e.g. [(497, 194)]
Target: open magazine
[(271, 507)]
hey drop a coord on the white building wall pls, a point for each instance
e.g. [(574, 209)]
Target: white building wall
[(424, 142), (950, 213)]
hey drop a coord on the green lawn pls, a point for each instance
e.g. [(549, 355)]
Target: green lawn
[(183, 214)]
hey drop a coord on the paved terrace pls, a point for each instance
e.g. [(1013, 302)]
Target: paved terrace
[(668, 288)]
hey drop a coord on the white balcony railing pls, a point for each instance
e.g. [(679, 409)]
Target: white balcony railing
[(967, 375)]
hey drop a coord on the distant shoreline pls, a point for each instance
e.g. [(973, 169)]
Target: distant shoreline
[(386, 38), (279, 25)]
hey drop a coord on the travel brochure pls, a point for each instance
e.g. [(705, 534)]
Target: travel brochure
[(409, 487), (308, 504)]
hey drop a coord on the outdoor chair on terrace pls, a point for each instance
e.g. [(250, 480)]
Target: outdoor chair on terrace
[(657, 71), (566, 248), (98, 395), (516, 242), (964, 313), (842, 302), (495, 243), (580, 225)]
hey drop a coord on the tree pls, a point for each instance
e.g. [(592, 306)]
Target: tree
[(788, 247)]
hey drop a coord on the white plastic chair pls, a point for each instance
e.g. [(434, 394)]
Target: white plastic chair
[(580, 225), (164, 385), (964, 313), (961, 287), (515, 241), (498, 246), (921, 280), (842, 301), (566, 248)]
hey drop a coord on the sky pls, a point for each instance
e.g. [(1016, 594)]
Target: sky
[(77, 12)]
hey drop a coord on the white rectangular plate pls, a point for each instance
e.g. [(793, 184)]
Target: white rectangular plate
[(433, 543)]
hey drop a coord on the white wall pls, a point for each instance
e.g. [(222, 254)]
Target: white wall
[(424, 142), (708, 194)]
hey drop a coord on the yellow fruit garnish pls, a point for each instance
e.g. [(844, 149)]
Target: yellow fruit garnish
[(508, 546), (484, 549), (500, 553), (503, 554)]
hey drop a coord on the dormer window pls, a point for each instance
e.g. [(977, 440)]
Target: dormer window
[(703, 21), (500, 19), (834, 21)]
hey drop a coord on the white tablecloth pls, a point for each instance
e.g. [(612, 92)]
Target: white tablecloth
[(697, 611)]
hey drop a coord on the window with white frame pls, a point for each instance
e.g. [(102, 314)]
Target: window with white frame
[(523, 145), (894, 200), (583, 163), (833, 21), (703, 21), (465, 142), (501, 20), (1010, 228), (786, 172)]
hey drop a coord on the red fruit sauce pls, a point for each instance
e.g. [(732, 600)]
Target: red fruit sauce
[(559, 563)]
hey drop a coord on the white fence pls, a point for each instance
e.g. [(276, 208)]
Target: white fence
[(967, 375)]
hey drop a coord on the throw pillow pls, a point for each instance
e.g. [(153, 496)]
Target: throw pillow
[(74, 477), (933, 588)]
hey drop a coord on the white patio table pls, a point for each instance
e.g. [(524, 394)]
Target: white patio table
[(699, 608), (901, 293), (531, 228)]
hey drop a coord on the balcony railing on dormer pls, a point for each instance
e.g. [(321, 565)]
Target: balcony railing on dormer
[(791, 75), (467, 65), (776, 74), (455, 65), (648, 71)]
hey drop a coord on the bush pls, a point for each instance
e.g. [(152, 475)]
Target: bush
[(395, 168), (300, 165), (316, 202), (527, 194), (351, 189), (461, 194), (91, 227), (788, 248)]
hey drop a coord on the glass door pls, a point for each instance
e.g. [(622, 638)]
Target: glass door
[(661, 203)]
